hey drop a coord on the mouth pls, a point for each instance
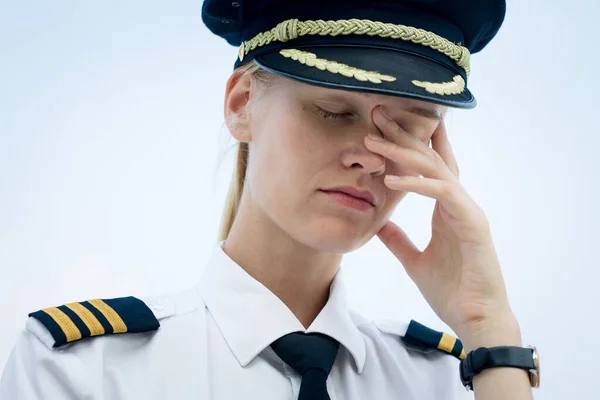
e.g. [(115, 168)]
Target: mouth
[(350, 193)]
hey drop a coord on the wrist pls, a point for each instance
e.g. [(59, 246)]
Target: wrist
[(501, 331)]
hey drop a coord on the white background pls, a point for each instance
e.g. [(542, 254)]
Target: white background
[(111, 129)]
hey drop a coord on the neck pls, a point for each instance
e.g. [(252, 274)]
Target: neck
[(297, 274)]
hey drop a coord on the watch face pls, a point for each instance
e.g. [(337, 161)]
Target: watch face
[(534, 374)]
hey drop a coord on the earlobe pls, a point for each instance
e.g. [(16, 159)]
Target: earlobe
[(237, 96)]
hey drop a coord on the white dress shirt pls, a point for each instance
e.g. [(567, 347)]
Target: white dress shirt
[(214, 343)]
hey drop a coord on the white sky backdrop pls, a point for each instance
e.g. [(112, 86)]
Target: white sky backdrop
[(111, 129)]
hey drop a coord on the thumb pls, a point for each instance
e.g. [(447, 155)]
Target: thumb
[(398, 242)]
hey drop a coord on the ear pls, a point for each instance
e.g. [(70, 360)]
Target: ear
[(238, 92)]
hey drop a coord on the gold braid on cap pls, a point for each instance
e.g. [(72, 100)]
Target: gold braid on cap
[(293, 28)]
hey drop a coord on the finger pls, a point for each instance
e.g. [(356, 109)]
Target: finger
[(398, 242), (412, 159), (451, 195), (394, 132), (441, 144)]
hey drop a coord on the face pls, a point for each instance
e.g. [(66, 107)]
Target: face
[(307, 146)]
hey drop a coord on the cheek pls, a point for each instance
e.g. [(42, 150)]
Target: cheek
[(286, 159), (299, 142), (275, 136), (392, 199), (306, 144)]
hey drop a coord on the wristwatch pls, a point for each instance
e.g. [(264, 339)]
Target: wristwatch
[(503, 356)]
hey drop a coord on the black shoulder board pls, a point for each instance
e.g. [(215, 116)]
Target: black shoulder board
[(75, 321), (425, 338)]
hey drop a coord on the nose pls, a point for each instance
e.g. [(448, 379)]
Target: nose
[(357, 156)]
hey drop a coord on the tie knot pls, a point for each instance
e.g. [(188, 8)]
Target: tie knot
[(305, 351)]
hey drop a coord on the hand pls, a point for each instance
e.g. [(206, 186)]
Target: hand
[(458, 273)]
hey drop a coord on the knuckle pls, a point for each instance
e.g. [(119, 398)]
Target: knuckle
[(397, 129), (449, 190), (436, 157), (438, 164), (394, 131)]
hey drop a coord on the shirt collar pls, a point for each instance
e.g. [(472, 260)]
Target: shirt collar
[(251, 317)]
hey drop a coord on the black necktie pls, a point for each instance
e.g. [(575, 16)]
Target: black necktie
[(312, 356)]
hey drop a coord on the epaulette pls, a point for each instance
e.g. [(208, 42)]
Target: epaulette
[(423, 338), (74, 321)]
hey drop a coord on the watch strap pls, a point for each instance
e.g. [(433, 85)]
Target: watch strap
[(501, 356)]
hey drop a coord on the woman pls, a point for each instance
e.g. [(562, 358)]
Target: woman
[(334, 106)]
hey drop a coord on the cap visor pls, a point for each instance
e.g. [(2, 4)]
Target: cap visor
[(399, 69)]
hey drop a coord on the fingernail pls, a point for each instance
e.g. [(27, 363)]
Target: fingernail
[(392, 178), (375, 138), (384, 112)]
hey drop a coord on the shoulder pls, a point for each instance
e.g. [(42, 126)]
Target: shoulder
[(61, 327), (412, 335), (64, 349), (425, 359)]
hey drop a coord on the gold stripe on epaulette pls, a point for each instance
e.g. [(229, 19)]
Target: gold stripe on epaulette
[(111, 315), (294, 28), (311, 59), (64, 322), (446, 343), (462, 355), (88, 318)]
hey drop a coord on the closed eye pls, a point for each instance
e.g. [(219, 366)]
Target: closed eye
[(331, 115)]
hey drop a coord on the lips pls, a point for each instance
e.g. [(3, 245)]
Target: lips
[(354, 192)]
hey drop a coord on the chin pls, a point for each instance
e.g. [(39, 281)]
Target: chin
[(333, 235)]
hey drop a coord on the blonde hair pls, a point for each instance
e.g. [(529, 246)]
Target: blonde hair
[(236, 186)]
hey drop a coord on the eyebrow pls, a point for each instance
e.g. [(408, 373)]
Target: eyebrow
[(424, 112)]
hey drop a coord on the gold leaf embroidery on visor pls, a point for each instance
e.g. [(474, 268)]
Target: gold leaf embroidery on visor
[(311, 60), (456, 86)]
